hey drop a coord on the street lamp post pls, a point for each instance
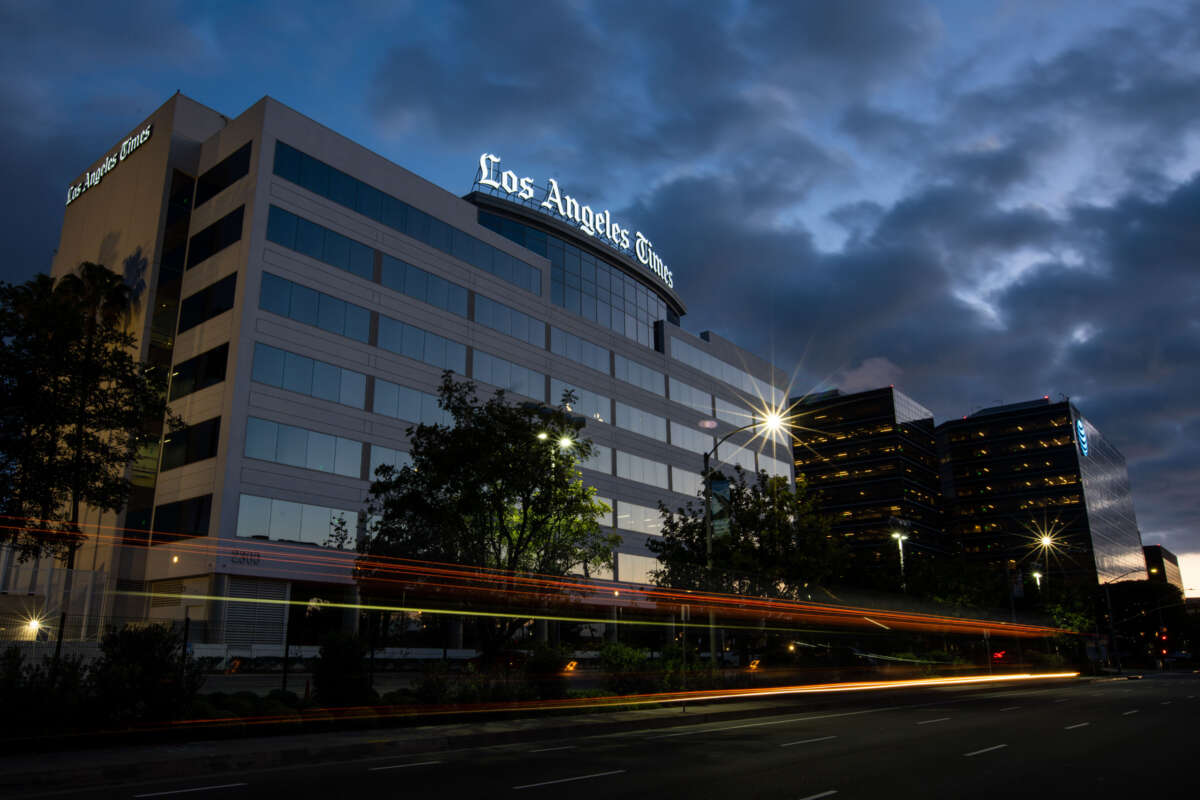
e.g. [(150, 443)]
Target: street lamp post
[(900, 539), (770, 423)]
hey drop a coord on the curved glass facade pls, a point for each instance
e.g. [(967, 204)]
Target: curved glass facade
[(587, 285)]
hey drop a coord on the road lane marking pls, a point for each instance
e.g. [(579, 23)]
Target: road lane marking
[(404, 766), (820, 794), (1127, 713), (809, 741), (196, 789), (1010, 708), (1165, 703), (984, 750), (1063, 700), (1077, 725), (931, 721), (552, 749), (568, 780)]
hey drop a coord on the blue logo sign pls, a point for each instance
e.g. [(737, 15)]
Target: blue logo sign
[(1081, 435)]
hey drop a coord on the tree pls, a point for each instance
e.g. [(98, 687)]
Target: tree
[(496, 488), (778, 543)]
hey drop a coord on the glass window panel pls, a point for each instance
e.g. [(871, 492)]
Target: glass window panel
[(353, 389), (370, 201), (285, 520), (281, 227), (292, 446), (435, 350), (261, 438), (393, 213), (348, 458), (314, 524), (276, 295), (331, 314), (310, 239), (456, 300), (413, 343), (342, 188), (304, 305), (297, 373), (386, 397), (326, 381), (320, 451), (362, 261), (254, 516), (287, 162), (438, 290), (358, 323), (268, 364), (416, 283), (314, 175), (337, 251), (392, 272)]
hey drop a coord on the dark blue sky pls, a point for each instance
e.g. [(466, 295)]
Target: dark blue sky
[(977, 202)]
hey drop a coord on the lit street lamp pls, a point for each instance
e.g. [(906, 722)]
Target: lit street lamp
[(1037, 578), (769, 424)]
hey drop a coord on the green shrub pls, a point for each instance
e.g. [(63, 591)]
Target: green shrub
[(626, 669), (143, 675), (545, 672), (340, 672)]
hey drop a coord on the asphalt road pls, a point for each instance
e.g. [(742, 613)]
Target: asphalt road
[(1061, 740)]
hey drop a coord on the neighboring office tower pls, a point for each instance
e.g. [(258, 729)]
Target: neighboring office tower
[(1015, 473), (307, 295), (1163, 566), (871, 457)]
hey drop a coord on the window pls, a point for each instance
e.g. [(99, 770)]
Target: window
[(686, 482), (596, 407), (776, 467), (268, 518), (421, 345), (199, 372), (640, 519), (308, 376), (636, 569), (318, 242), (605, 519), (401, 402), (581, 351), (216, 237), (381, 455), (319, 178), (733, 413), (643, 422), (223, 175), (509, 376), (193, 443), (692, 397), (510, 322), (299, 447), (182, 520), (424, 286), (214, 299), (288, 299), (724, 371), (643, 470), (688, 439), (632, 372), (734, 454), (600, 460)]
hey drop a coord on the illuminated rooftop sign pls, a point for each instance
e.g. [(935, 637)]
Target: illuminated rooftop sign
[(597, 224), (108, 164), (1081, 435)]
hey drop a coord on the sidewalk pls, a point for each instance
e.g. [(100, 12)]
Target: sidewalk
[(32, 772)]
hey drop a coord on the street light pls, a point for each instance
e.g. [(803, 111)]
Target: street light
[(1037, 578), (770, 423), (900, 539)]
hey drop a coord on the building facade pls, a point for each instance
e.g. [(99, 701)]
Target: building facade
[(1163, 566), (871, 457), (307, 295), (1014, 474)]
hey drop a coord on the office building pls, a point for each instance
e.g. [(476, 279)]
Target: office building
[(871, 457), (1016, 473), (1163, 566), (307, 295)]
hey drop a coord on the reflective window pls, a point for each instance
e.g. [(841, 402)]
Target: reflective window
[(299, 447), (596, 407), (509, 376), (639, 375), (733, 413), (724, 371), (636, 569), (643, 422), (605, 519), (509, 321), (692, 397), (686, 482), (319, 178), (318, 242), (381, 455), (424, 286), (689, 439), (182, 519), (216, 237), (219, 178), (308, 376), (401, 402), (642, 470), (191, 444), (421, 345), (199, 372), (214, 299), (600, 460), (581, 351), (288, 299), (267, 518)]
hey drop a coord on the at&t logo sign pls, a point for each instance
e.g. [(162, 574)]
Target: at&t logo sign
[(1081, 436)]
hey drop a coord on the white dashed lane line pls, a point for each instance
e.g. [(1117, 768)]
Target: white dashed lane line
[(984, 750), (196, 789), (818, 795), (553, 749), (404, 766), (931, 721), (1127, 713), (1076, 725), (808, 741), (1010, 708), (568, 780)]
